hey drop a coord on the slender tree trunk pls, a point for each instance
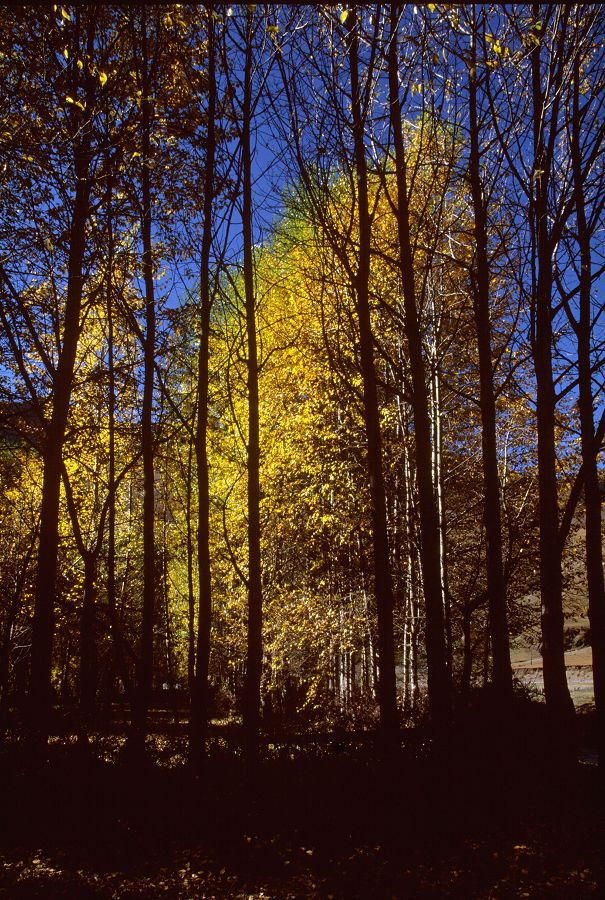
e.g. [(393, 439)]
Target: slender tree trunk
[(467, 654), (438, 476), (40, 698), (190, 587), (439, 682), (556, 691), (487, 645), (496, 588), (88, 646), (592, 494), (145, 674), (254, 659), (200, 696), (114, 619), (410, 623), (387, 691), (88, 661)]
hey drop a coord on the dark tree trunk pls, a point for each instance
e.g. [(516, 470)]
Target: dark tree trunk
[(496, 588), (556, 691), (88, 648), (40, 698), (190, 562), (439, 682), (200, 695), (592, 494), (467, 653), (254, 659), (145, 674), (387, 694), (121, 668)]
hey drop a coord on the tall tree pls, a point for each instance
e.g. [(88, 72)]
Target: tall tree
[(79, 85), (586, 136), (382, 559), (545, 118), (480, 280), (439, 685), (525, 96), (254, 659), (200, 689), (142, 61)]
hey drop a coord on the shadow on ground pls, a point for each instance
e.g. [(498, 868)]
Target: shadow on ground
[(487, 818)]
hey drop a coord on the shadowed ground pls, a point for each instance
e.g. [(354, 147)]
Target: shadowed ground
[(486, 818)]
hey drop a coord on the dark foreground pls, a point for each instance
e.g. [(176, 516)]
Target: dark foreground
[(332, 822)]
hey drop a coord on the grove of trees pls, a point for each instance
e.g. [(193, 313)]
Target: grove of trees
[(302, 362)]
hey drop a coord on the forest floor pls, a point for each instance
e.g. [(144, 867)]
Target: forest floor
[(489, 818)]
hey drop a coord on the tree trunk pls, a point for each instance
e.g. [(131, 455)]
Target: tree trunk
[(556, 691), (200, 696), (496, 589), (387, 691), (438, 477), (88, 661), (43, 626), (592, 494), (145, 673), (467, 654), (439, 682), (254, 659), (114, 620), (190, 587)]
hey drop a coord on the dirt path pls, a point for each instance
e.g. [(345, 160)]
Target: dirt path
[(528, 667), (526, 658)]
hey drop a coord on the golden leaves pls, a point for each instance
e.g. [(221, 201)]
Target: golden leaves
[(73, 102)]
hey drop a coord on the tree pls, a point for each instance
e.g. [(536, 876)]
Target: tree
[(585, 136), (145, 671), (555, 681), (382, 563), (480, 279), (75, 88), (438, 680), (200, 688)]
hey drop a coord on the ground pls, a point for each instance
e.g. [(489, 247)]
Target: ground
[(489, 818), (527, 666)]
